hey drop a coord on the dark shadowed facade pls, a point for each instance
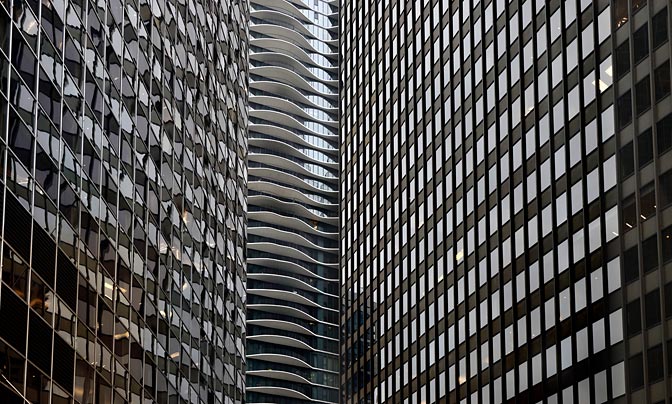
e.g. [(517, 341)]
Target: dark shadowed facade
[(123, 196), (506, 201)]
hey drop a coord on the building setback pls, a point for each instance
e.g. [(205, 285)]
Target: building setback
[(506, 192), (123, 196), (292, 250)]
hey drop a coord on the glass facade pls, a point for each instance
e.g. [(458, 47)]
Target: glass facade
[(292, 250), (506, 201), (123, 197)]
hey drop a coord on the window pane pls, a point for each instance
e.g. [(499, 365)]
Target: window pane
[(634, 325), (641, 39), (655, 363), (664, 134), (666, 188), (647, 201), (622, 59), (666, 243), (631, 264), (659, 28), (624, 110), (627, 160), (643, 95), (652, 307), (620, 12), (650, 253), (636, 372), (645, 148), (629, 216), (662, 81)]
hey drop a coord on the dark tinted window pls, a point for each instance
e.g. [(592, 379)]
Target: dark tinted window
[(620, 12), (652, 308), (643, 95), (650, 253), (634, 321), (668, 300), (641, 40), (624, 109), (637, 5), (661, 81), (666, 188), (645, 148), (666, 243), (659, 28), (647, 201), (636, 372), (622, 59), (669, 356), (655, 363), (627, 160), (629, 216), (664, 134), (631, 264)]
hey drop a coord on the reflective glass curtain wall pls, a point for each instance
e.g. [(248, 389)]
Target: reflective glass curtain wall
[(292, 323), (122, 200), (506, 201)]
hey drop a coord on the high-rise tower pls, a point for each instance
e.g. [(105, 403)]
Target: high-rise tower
[(506, 201), (122, 200), (292, 327)]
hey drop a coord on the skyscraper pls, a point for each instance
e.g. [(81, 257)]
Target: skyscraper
[(505, 197), (122, 193), (292, 323)]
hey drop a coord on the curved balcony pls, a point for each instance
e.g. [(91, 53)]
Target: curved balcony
[(311, 376), (312, 240), (315, 141), (292, 207), (294, 157), (286, 147), (291, 388), (294, 265), (293, 177), (291, 323), (269, 304), (292, 246)]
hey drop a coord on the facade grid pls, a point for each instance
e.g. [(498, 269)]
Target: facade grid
[(123, 197), (505, 201)]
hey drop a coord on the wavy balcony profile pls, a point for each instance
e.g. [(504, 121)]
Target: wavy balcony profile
[(292, 248)]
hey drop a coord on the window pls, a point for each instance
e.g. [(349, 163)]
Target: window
[(641, 39), (627, 160), (622, 59), (668, 300), (636, 372), (629, 216), (650, 254), (645, 148), (666, 243), (666, 188), (659, 28), (654, 359), (620, 12), (637, 5), (647, 201), (664, 134), (661, 81), (631, 264), (643, 95), (624, 108), (652, 308), (633, 320)]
